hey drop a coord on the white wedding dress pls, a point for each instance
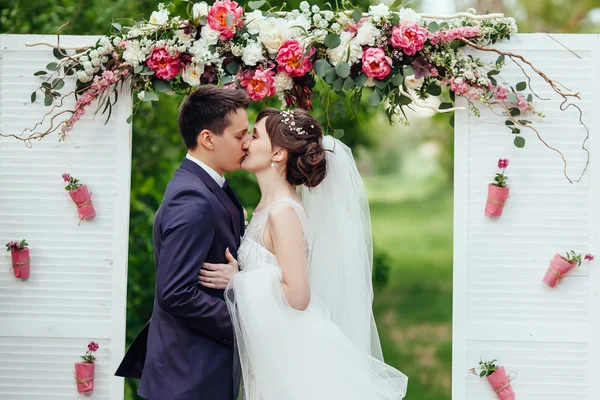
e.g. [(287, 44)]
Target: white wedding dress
[(286, 354)]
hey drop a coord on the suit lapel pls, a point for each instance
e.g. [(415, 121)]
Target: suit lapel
[(219, 192)]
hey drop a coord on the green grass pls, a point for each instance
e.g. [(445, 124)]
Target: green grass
[(412, 223)]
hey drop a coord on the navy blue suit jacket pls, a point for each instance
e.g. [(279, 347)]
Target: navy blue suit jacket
[(185, 352)]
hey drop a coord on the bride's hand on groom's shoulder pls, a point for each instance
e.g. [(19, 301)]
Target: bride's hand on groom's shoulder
[(217, 276)]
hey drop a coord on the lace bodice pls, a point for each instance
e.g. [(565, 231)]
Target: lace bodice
[(252, 252)]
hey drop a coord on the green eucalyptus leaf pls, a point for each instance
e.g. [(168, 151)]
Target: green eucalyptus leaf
[(52, 66), (321, 66), (332, 40), (232, 67), (255, 5), (342, 69), (521, 86), (348, 84), (33, 97), (360, 80), (357, 15), (40, 73), (375, 98), (161, 85), (519, 141)]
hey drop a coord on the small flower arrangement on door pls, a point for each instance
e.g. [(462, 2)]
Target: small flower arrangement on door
[(81, 197), (84, 371), (497, 192), (561, 265), (19, 253), (496, 376)]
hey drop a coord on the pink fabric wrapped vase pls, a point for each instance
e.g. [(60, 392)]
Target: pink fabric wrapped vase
[(21, 263), (82, 198), (558, 268), (495, 201), (501, 384), (84, 376)]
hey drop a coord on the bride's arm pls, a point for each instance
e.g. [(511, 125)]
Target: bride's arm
[(285, 231)]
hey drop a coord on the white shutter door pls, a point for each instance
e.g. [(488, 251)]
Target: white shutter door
[(77, 289), (502, 310)]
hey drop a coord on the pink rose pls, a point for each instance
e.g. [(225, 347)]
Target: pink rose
[(258, 83), (217, 18), (291, 59), (375, 63), (409, 38), (164, 65)]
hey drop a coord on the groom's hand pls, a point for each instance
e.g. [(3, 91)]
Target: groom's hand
[(217, 276)]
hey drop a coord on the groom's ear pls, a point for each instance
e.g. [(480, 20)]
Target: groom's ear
[(206, 139)]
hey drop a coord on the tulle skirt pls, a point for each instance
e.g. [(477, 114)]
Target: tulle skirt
[(286, 354)]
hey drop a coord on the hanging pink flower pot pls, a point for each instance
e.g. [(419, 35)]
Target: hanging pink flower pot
[(84, 371), (81, 197), (497, 378), (497, 192), (19, 253), (501, 384), (84, 376), (561, 265), (496, 199)]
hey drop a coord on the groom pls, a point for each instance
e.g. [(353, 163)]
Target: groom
[(186, 351)]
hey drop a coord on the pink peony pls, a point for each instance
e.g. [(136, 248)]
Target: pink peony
[(164, 65), (217, 18), (409, 38), (503, 163), (375, 63), (291, 59), (259, 83)]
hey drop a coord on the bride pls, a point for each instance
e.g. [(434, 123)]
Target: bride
[(301, 305)]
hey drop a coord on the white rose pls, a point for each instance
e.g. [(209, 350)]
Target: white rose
[(283, 82), (340, 53), (335, 26), (210, 36), (159, 18), (367, 34), (117, 40), (253, 53), (192, 73), (274, 32), (379, 11), (315, 9), (199, 10), (412, 82), (141, 95), (408, 15), (183, 37), (253, 21), (304, 6)]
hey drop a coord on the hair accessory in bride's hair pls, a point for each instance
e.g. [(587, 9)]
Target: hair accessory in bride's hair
[(288, 119)]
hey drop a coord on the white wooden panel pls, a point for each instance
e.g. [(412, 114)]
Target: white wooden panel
[(77, 289), (502, 310)]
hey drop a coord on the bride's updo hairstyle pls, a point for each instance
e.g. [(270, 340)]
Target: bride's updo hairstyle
[(300, 135)]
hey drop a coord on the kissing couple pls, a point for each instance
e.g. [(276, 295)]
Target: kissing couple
[(283, 309)]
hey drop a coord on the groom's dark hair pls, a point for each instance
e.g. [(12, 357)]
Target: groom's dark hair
[(208, 107)]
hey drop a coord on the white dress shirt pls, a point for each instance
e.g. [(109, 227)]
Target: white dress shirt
[(220, 179)]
